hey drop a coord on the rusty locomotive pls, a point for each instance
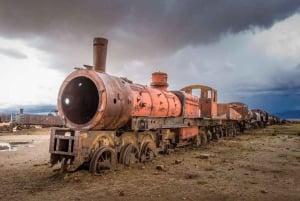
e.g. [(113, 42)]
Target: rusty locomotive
[(111, 120)]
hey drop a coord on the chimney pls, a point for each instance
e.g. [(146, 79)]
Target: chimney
[(100, 51), (159, 81)]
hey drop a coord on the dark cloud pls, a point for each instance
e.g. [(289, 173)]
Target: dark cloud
[(272, 102), (284, 81), (172, 22), (12, 53), (145, 30)]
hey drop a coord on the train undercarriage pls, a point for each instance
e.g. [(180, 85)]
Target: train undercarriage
[(103, 150)]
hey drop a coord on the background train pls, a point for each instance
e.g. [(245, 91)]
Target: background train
[(112, 120), (20, 120)]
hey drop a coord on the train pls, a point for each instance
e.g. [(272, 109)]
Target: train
[(111, 120), (21, 120)]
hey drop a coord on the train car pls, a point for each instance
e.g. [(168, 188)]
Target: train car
[(259, 118), (21, 120), (217, 119), (112, 120), (36, 119)]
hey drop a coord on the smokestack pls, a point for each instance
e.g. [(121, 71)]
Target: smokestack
[(160, 81), (100, 51)]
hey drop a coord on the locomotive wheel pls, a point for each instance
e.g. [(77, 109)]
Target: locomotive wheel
[(129, 154), (221, 133), (103, 159), (225, 132), (215, 136), (230, 132), (203, 139), (234, 132), (148, 151)]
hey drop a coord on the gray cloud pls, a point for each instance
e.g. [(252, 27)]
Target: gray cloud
[(144, 30), (284, 81), (12, 53)]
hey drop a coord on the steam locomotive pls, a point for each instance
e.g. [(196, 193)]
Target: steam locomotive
[(111, 120)]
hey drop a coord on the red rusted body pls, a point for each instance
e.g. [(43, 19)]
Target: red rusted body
[(242, 109), (207, 99), (187, 133), (89, 100), (159, 81), (225, 111), (155, 101)]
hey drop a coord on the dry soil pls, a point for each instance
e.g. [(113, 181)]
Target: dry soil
[(261, 164)]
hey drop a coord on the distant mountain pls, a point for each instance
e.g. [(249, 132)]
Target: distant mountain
[(29, 109), (292, 114)]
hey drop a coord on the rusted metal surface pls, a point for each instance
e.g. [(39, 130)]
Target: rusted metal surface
[(104, 158), (207, 99), (35, 119), (159, 81), (93, 101), (189, 132), (129, 154), (148, 151), (226, 112), (100, 52), (153, 102), (189, 104), (242, 109), (259, 118)]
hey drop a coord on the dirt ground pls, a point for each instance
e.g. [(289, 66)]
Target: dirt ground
[(258, 165)]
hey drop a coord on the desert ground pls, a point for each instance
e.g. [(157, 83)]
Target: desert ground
[(260, 164)]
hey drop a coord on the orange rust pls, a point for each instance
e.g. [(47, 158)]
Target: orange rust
[(225, 111), (152, 102), (89, 100), (159, 81), (191, 106), (189, 132), (207, 99)]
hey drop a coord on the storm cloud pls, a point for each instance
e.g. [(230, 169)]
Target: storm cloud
[(198, 41), (138, 29)]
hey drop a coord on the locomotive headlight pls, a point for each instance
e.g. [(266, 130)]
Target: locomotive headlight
[(80, 100)]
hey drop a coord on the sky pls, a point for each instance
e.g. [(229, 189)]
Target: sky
[(248, 50)]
